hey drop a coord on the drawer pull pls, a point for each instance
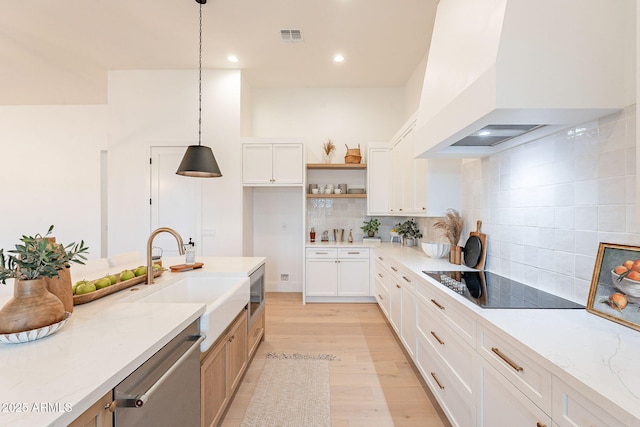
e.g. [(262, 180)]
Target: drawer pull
[(437, 304), (436, 380), (380, 296), (510, 362), (380, 275), (408, 280), (354, 253), (322, 253), (539, 424), (398, 286), (437, 338), (393, 268), (380, 258)]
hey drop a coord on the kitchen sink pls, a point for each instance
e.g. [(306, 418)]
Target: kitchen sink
[(224, 297)]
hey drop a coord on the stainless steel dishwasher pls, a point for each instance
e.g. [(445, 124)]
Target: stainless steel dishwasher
[(165, 390)]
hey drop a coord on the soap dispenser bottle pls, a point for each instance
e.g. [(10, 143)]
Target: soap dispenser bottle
[(190, 252)]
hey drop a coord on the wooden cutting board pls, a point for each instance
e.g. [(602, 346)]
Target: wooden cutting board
[(483, 241)]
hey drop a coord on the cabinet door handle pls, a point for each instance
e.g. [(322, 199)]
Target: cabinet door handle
[(408, 280), (436, 380), (437, 304), (380, 258), (437, 338), (394, 269), (398, 286), (508, 361)]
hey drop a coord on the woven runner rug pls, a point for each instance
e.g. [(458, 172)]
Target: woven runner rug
[(292, 391)]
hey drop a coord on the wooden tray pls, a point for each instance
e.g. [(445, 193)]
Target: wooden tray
[(185, 267), (118, 286)]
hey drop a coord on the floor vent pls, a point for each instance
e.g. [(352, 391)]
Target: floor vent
[(291, 35)]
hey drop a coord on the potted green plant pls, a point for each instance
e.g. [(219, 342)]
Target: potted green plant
[(409, 231), (371, 227), (33, 261)]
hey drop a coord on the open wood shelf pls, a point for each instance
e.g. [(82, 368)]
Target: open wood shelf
[(336, 196), (336, 166)]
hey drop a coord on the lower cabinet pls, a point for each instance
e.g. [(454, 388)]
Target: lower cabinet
[(502, 404), (256, 334), (335, 272), (221, 369), (98, 415)]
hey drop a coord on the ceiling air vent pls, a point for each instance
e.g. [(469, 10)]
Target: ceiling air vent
[(291, 35)]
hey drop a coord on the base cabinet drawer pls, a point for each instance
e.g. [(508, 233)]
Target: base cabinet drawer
[(572, 409), (502, 404), (509, 358), (453, 400), (449, 346), (382, 296)]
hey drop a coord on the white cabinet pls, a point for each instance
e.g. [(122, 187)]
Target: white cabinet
[(378, 181), (332, 272), (402, 303), (572, 409), (421, 187), (502, 404), (272, 164)]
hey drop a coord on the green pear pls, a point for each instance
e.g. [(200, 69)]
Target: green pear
[(85, 288), (140, 271), (126, 275), (102, 283), (113, 279)]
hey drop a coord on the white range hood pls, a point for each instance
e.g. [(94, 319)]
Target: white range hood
[(540, 65)]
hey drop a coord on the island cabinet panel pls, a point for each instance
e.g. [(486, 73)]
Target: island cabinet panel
[(256, 335), (221, 369), (98, 415)]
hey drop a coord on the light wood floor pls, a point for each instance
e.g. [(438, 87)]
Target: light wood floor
[(372, 385)]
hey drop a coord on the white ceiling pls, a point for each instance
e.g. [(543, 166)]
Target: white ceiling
[(54, 52)]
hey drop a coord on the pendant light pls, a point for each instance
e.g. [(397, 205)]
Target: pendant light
[(199, 161)]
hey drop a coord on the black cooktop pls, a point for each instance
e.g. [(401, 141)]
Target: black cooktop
[(489, 290)]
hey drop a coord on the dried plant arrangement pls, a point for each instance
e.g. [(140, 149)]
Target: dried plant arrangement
[(328, 147), (452, 225)]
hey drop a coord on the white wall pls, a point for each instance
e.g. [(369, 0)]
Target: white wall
[(159, 108), (50, 172), (346, 116), (547, 204)]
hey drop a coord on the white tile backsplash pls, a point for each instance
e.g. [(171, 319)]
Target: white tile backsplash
[(546, 205)]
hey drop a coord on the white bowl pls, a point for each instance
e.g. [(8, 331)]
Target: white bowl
[(629, 287), (435, 250)]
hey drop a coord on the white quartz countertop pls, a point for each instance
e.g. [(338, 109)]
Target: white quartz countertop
[(53, 380), (598, 357)]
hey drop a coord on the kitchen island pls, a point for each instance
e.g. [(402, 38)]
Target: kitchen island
[(51, 381)]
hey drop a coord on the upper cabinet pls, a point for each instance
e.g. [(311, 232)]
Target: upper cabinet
[(400, 184), (272, 164)]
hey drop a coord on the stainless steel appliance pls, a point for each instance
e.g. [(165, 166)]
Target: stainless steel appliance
[(165, 390), (489, 290), (256, 294)]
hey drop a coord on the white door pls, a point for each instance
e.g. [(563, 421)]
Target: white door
[(353, 277), (175, 200), (257, 167), (322, 278)]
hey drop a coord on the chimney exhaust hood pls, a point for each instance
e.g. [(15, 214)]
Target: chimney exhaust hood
[(503, 72)]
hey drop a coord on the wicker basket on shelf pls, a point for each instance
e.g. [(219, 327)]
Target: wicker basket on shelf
[(353, 155)]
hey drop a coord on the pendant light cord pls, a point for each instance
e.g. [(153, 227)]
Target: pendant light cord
[(200, 82)]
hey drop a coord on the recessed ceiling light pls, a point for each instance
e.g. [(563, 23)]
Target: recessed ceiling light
[(338, 58), (232, 58)]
